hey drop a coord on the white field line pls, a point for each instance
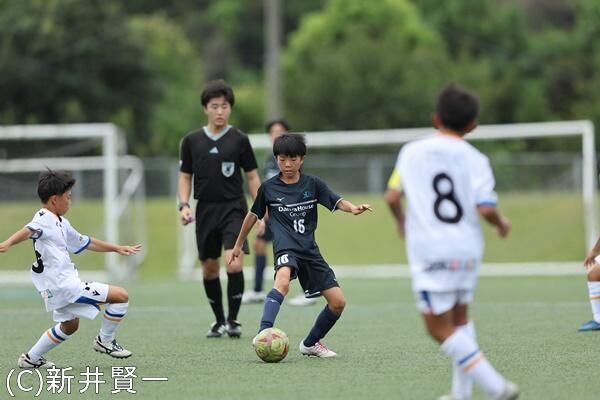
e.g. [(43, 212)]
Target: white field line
[(357, 271)]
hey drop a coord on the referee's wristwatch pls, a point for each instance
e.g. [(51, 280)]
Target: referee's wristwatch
[(181, 206)]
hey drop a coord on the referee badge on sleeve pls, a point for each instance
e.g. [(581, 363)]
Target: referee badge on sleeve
[(227, 168)]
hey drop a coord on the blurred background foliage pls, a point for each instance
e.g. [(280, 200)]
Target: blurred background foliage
[(346, 64)]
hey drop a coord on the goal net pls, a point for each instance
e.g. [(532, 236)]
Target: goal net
[(532, 181), (108, 197)]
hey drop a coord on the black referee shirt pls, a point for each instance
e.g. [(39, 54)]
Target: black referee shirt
[(217, 163)]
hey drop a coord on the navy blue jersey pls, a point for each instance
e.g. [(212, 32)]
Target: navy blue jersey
[(293, 211)]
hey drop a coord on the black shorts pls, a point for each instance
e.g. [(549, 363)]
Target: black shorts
[(218, 226), (313, 273)]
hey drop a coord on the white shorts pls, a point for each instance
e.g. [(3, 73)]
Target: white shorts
[(437, 303), (87, 305)]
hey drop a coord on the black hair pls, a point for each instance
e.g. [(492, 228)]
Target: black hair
[(280, 121), (457, 108), (52, 183), (290, 144), (217, 88)]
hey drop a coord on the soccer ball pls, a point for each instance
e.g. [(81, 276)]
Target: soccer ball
[(271, 345)]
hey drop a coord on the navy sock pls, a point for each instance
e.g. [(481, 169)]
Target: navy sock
[(259, 269), (235, 290), (323, 324), (212, 287), (271, 309)]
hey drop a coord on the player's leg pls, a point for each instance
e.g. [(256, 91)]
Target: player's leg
[(230, 228), (462, 384), (117, 304), (275, 297), (593, 278), (50, 339), (461, 348), (316, 277), (312, 345)]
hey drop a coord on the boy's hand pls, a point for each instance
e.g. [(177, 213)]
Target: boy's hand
[(4, 247), (128, 250), (361, 208), (589, 261), (235, 253), (504, 227)]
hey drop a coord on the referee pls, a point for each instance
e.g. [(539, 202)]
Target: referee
[(212, 159)]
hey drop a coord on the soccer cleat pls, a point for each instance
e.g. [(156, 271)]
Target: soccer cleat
[(300, 301), (251, 297), (318, 350), (589, 326), (111, 348), (24, 362), (233, 328), (447, 397), (217, 329), (511, 392)]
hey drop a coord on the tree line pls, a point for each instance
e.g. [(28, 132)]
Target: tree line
[(346, 64)]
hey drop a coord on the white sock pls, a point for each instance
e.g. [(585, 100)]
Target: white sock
[(464, 351), (594, 290), (49, 340), (462, 384), (113, 314)]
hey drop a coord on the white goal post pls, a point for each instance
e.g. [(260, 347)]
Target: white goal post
[(333, 139), (111, 161)]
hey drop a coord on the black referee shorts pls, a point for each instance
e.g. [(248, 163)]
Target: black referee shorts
[(218, 226), (312, 271)]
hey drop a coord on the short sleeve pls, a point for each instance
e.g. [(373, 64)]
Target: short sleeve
[(484, 183), (325, 196), (247, 158), (76, 242), (36, 228), (185, 156), (259, 208)]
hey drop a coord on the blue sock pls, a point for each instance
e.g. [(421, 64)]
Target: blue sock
[(259, 269), (271, 309), (323, 324)]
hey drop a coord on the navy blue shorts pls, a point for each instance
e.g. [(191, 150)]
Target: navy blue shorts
[(313, 273)]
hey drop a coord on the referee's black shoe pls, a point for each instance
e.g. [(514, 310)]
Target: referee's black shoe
[(233, 328), (217, 329)]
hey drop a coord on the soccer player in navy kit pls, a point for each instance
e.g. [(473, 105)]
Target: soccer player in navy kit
[(212, 158), (291, 199), (274, 128)]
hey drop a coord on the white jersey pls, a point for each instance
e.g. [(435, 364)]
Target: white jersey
[(444, 179), (54, 274)]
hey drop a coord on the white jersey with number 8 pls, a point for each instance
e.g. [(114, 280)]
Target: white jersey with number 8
[(444, 180)]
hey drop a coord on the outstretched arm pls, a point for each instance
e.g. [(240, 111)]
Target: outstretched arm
[(348, 207), (16, 238), (393, 198), (247, 225), (105, 247), (494, 217)]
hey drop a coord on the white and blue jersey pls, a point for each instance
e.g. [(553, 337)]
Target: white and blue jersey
[(444, 179), (53, 273)]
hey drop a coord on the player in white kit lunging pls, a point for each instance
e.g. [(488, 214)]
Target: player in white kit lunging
[(56, 279), (448, 183)]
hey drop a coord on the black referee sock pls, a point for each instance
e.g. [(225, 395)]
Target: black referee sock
[(212, 287), (323, 324), (235, 290)]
